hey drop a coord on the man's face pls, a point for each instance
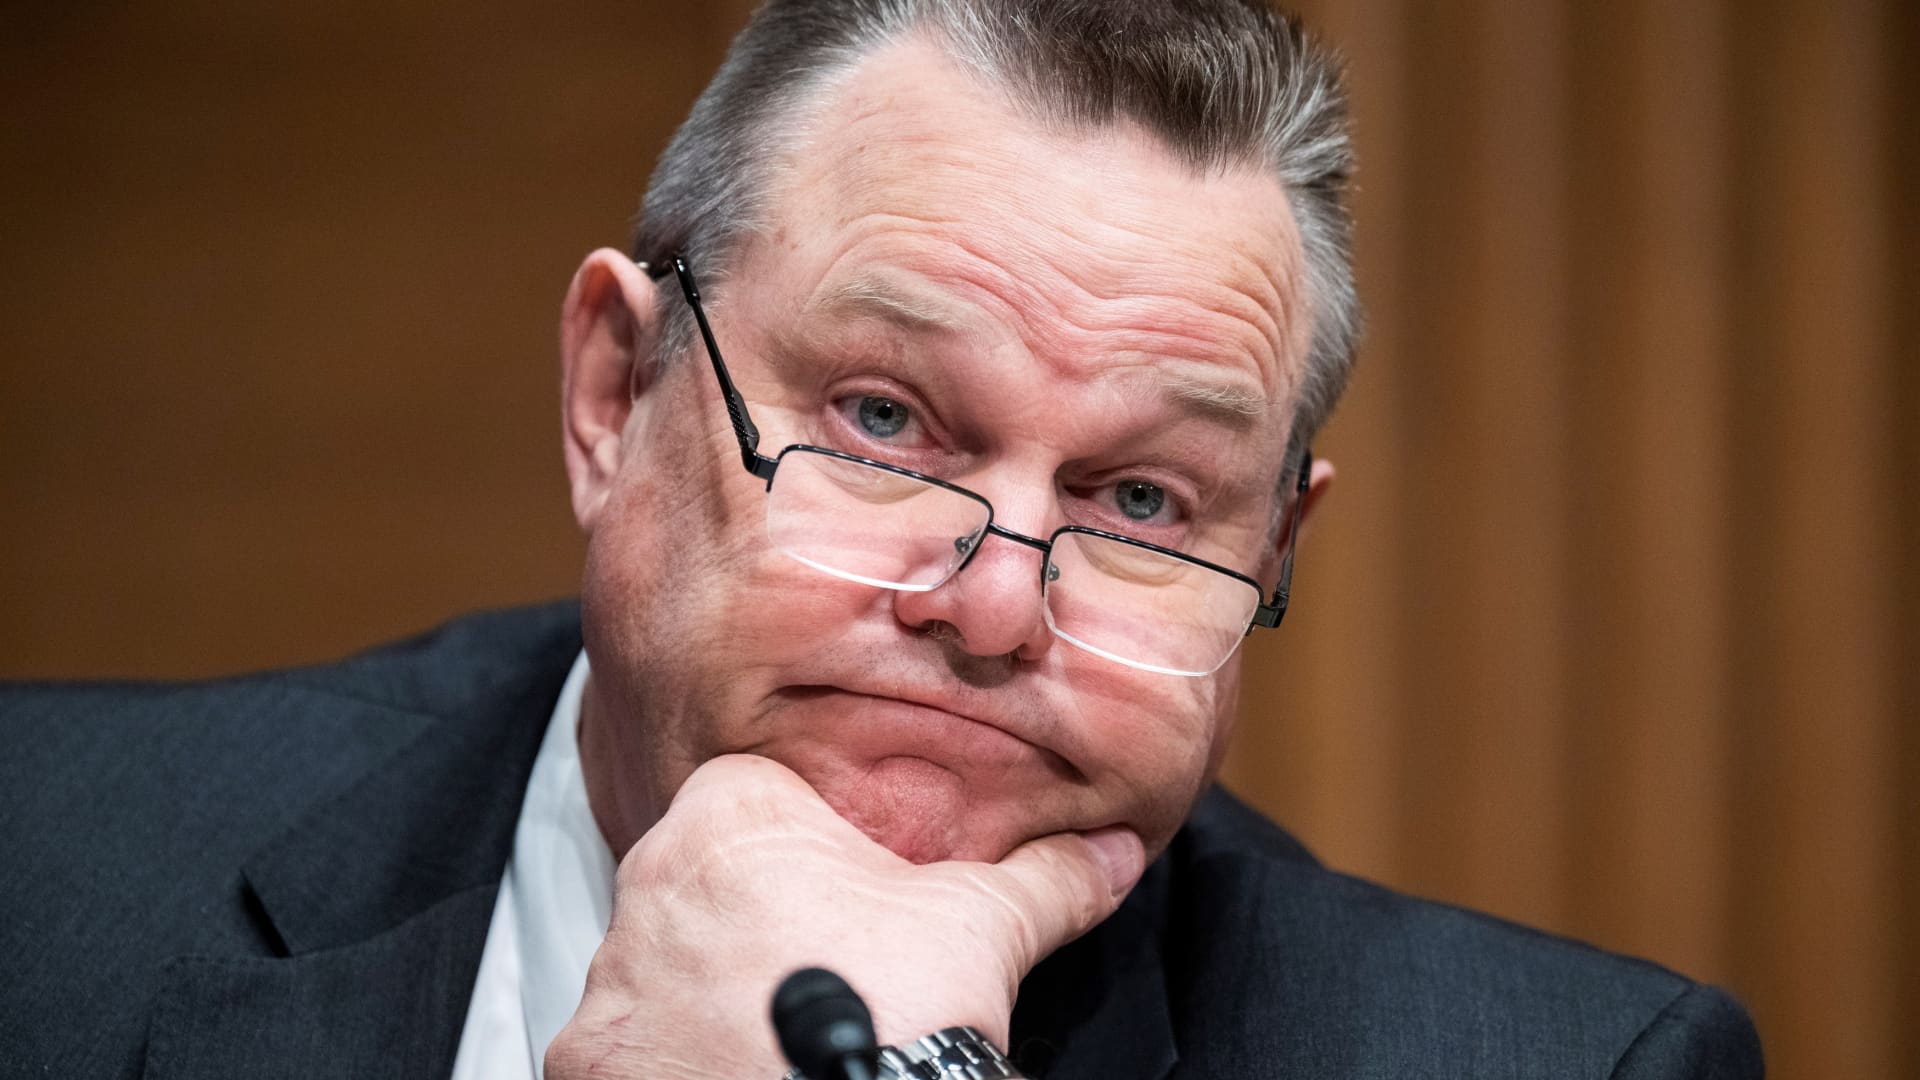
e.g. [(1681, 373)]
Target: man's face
[(1075, 326)]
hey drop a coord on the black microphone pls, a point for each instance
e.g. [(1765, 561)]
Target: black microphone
[(824, 1027)]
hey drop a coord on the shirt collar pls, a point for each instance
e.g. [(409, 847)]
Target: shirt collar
[(561, 875)]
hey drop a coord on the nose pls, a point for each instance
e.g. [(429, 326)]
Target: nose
[(993, 603)]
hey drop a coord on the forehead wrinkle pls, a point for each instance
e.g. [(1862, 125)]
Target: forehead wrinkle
[(1239, 286), (1170, 340), (1113, 261), (1136, 292)]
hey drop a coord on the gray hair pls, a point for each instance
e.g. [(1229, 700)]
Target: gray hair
[(1222, 83)]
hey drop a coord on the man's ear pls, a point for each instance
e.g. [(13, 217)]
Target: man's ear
[(1319, 482), (608, 336)]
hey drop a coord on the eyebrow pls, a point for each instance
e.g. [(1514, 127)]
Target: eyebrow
[(872, 296), (1229, 404)]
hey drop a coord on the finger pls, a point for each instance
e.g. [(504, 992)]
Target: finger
[(1058, 887), (739, 797), (738, 772), (724, 799), (748, 789)]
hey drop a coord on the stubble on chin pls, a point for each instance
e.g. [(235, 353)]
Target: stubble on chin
[(919, 810)]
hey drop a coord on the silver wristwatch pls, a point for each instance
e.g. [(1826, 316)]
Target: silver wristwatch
[(955, 1053)]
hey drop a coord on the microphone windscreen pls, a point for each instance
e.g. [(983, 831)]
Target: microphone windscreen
[(821, 1022)]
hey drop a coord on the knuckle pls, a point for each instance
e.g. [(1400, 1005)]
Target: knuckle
[(737, 781), (649, 860)]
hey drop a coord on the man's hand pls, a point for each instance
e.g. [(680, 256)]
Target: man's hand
[(751, 875)]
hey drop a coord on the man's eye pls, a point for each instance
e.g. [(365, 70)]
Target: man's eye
[(882, 417), (1140, 500)]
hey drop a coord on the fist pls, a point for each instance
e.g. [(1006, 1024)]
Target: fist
[(750, 875)]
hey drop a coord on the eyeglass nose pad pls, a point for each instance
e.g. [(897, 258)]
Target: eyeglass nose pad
[(964, 544), (1053, 571)]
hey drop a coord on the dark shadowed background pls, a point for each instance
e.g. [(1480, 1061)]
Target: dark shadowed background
[(1610, 626)]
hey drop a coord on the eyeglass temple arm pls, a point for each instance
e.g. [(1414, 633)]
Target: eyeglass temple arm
[(743, 428), (1269, 614)]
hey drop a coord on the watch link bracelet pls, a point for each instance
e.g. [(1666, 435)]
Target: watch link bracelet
[(955, 1053)]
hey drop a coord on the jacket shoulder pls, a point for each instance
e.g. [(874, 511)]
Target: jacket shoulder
[(1350, 978), (439, 672), (148, 768), (127, 810), (458, 666)]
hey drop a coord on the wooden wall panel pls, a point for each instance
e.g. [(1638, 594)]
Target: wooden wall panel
[(1648, 357), (1482, 411), (1900, 34), (278, 328), (1819, 762)]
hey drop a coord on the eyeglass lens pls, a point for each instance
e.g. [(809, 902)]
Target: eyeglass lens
[(875, 526)]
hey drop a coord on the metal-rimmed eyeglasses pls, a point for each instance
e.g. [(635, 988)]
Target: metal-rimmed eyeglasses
[(866, 521)]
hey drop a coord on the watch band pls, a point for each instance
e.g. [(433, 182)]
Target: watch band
[(955, 1053)]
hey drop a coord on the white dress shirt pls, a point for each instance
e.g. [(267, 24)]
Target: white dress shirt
[(549, 917)]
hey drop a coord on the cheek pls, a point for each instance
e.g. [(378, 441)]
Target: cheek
[(1226, 711), (1158, 739), (691, 614), (664, 542)]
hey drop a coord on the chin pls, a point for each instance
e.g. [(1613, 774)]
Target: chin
[(917, 842), (920, 811)]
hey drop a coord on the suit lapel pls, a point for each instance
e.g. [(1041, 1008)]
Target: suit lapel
[(375, 906)]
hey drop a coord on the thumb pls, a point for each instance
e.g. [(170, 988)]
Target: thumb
[(1061, 886)]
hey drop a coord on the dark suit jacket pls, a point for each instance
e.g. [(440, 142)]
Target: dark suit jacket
[(291, 874)]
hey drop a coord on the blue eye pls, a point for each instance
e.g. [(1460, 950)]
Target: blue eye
[(882, 417), (1139, 500)]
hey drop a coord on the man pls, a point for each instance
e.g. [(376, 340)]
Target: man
[(944, 439)]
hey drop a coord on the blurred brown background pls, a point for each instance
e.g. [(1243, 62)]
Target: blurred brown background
[(1609, 628)]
